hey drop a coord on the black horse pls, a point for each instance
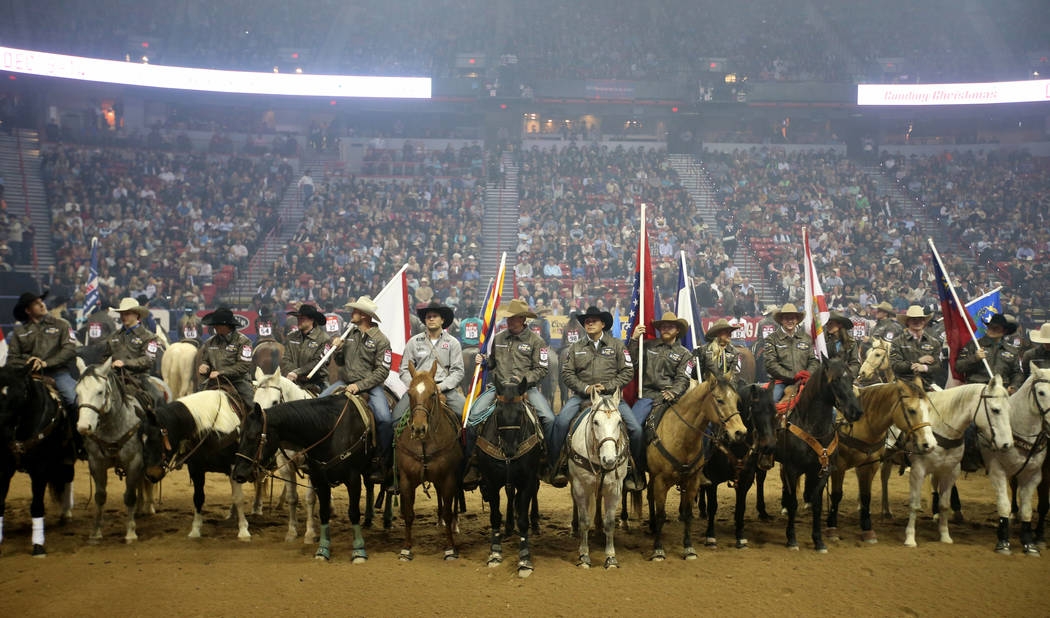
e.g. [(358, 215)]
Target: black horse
[(35, 439), (510, 447), (737, 462), (807, 442), (336, 443)]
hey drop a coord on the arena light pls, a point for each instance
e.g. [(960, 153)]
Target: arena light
[(210, 80), (1030, 91)]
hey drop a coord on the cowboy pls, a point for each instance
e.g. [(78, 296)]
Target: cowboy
[(788, 353), (915, 352), (97, 327), (227, 357), (838, 334), (1002, 358), (719, 356), (266, 327), (517, 353), (47, 346), (432, 345), (304, 348), (1039, 353), (190, 327), (133, 348), (886, 327), (668, 368), (364, 363), (597, 363)]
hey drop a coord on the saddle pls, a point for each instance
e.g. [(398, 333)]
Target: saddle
[(792, 393), (489, 442), (360, 404), (653, 421)]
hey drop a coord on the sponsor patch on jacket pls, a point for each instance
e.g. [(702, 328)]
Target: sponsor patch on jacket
[(136, 340), (802, 345), (627, 357), (608, 351), (189, 333), (51, 330), (72, 336), (246, 352), (265, 330), (675, 356), (151, 347), (927, 347), (544, 357), (689, 368), (888, 335), (1006, 354), (327, 347), (370, 344), (231, 347), (524, 347), (444, 346), (572, 336), (94, 330), (388, 357)]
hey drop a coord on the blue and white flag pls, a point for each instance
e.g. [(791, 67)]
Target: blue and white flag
[(686, 307), (982, 308), (91, 289)]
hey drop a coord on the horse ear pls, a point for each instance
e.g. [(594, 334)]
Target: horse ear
[(259, 374), (412, 368), (433, 369), (106, 366), (256, 409), (523, 386)]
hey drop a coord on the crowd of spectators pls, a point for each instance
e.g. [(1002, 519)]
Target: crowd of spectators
[(171, 227)]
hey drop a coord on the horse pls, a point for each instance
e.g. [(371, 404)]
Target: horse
[(267, 355), (985, 405), (109, 421), (199, 430), (35, 440), (335, 436), (676, 453), (427, 449), (807, 442), (510, 446), (736, 463), (748, 367), (876, 367), (1030, 423), (178, 368), (862, 443), (598, 454)]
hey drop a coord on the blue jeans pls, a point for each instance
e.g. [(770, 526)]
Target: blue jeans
[(479, 411), (778, 391), (66, 385), (381, 411), (641, 409), (560, 432)]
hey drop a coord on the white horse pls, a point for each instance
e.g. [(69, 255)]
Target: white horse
[(270, 390), (598, 453), (176, 367), (109, 422), (987, 406), (1030, 422)]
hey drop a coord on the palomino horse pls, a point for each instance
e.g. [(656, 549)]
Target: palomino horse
[(109, 420), (876, 367), (737, 463), (598, 454), (1030, 422), (336, 437), (807, 443), (270, 390), (178, 368), (267, 355), (985, 405), (428, 451), (862, 443), (676, 454), (199, 430), (510, 445), (34, 440)]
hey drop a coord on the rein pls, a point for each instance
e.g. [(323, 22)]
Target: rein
[(687, 469), (424, 458)]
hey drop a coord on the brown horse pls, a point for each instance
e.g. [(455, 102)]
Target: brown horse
[(862, 443), (676, 455), (747, 365), (876, 367), (428, 451), (267, 356)]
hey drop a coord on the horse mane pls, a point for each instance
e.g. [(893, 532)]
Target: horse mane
[(94, 371), (211, 411), (313, 415), (954, 397)]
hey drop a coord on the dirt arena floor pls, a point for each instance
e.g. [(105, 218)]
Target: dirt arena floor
[(165, 573)]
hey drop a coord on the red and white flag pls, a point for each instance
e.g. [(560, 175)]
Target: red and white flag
[(815, 304), (3, 349), (392, 301)]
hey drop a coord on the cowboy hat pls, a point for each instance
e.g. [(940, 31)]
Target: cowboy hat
[(1009, 326), (842, 320), (23, 303), (787, 309), (514, 308), (306, 310), (365, 305), (1040, 336), (718, 327), (447, 314), (594, 312), (220, 317), (670, 318), (769, 309), (132, 305), (914, 311), (887, 308)]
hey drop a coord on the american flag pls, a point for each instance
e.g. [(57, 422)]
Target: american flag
[(91, 289), (642, 303)]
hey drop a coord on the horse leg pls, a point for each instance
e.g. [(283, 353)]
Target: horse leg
[(496, 523), (287, 471), (583, 514), (957, 516), (370, 509), (837, 477), (659, 499), (709, 496), (760, 496), (885, 471), (5, 484), (612, 487), (99, 474), (942, 482), (742, 487), (38, 481), (1002, 500), (237, 489), (324, 510), (815, 491), (692, 487), (865, 477), (509, 525), (701, 505), (309, 501), (915, 479), (408, 512), (260, 489), (147, 500), (1026, 484), (534, 511), (449, 489), (132, 484), (388, 509), (525, 497), (1042, 490), (359, 555), (789, 500), (197, 477)]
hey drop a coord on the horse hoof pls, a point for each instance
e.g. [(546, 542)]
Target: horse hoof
[(792, 546), (360, 556), (690, 553), (39, 551), (832, 534), (742, 544), (957, 518), (130, 539), (783, 511), (451, 554), (887, 516), (658, 555), (95, 539), (1031, 550), (821, 550), (947, 540), (611, 563), (766, 517), (244, 537), (869, 536), (196, 534), (291, 536), (710, 542), (910, 543), (405, 555), (1003, 548), (495, 559), (65, 519), (584, 565), (524, 569)]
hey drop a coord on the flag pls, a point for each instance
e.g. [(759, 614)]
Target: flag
[(617, 328), (956, 329), (487, 335), (982, 308), (815, 304), (642, 303), (686, 307), (3, 349), (91, 289), (392, 301)]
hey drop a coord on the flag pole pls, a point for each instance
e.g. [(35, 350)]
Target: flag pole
[(492, 296), (641, 298), (692, 317), (958, 305)]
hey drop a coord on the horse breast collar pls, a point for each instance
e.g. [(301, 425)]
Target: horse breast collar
[(824, 453)]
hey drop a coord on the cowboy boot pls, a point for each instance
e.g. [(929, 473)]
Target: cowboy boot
[(560, 473), (472, 477)]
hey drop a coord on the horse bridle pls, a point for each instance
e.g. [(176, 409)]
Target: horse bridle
[(280, 391), (618, 441), (911, 428)]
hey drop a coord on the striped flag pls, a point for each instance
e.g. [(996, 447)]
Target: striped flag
[(91, 289), (958, 325), (3, 349), (392, 302), (686, 307), (642, 308), (488, 333), (815, 304)]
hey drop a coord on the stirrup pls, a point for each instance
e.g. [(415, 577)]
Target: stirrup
[(471, 479)]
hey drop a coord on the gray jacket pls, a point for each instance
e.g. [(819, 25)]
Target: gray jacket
[(422, 353)]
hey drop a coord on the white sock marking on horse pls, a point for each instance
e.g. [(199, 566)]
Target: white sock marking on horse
[(38, 531)]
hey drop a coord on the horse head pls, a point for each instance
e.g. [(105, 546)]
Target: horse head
[(14, 397), (510, 411), (256, 448), (269, 388), (423, 398), (722, 407), (837, 381), (992, 414), (912, 416), (156, 448), (758, 410), (95, 394), (1039, 385), (605, 429), (876, 361)]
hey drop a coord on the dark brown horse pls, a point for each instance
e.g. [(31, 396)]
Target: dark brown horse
[(428, 450), (267, 356)]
